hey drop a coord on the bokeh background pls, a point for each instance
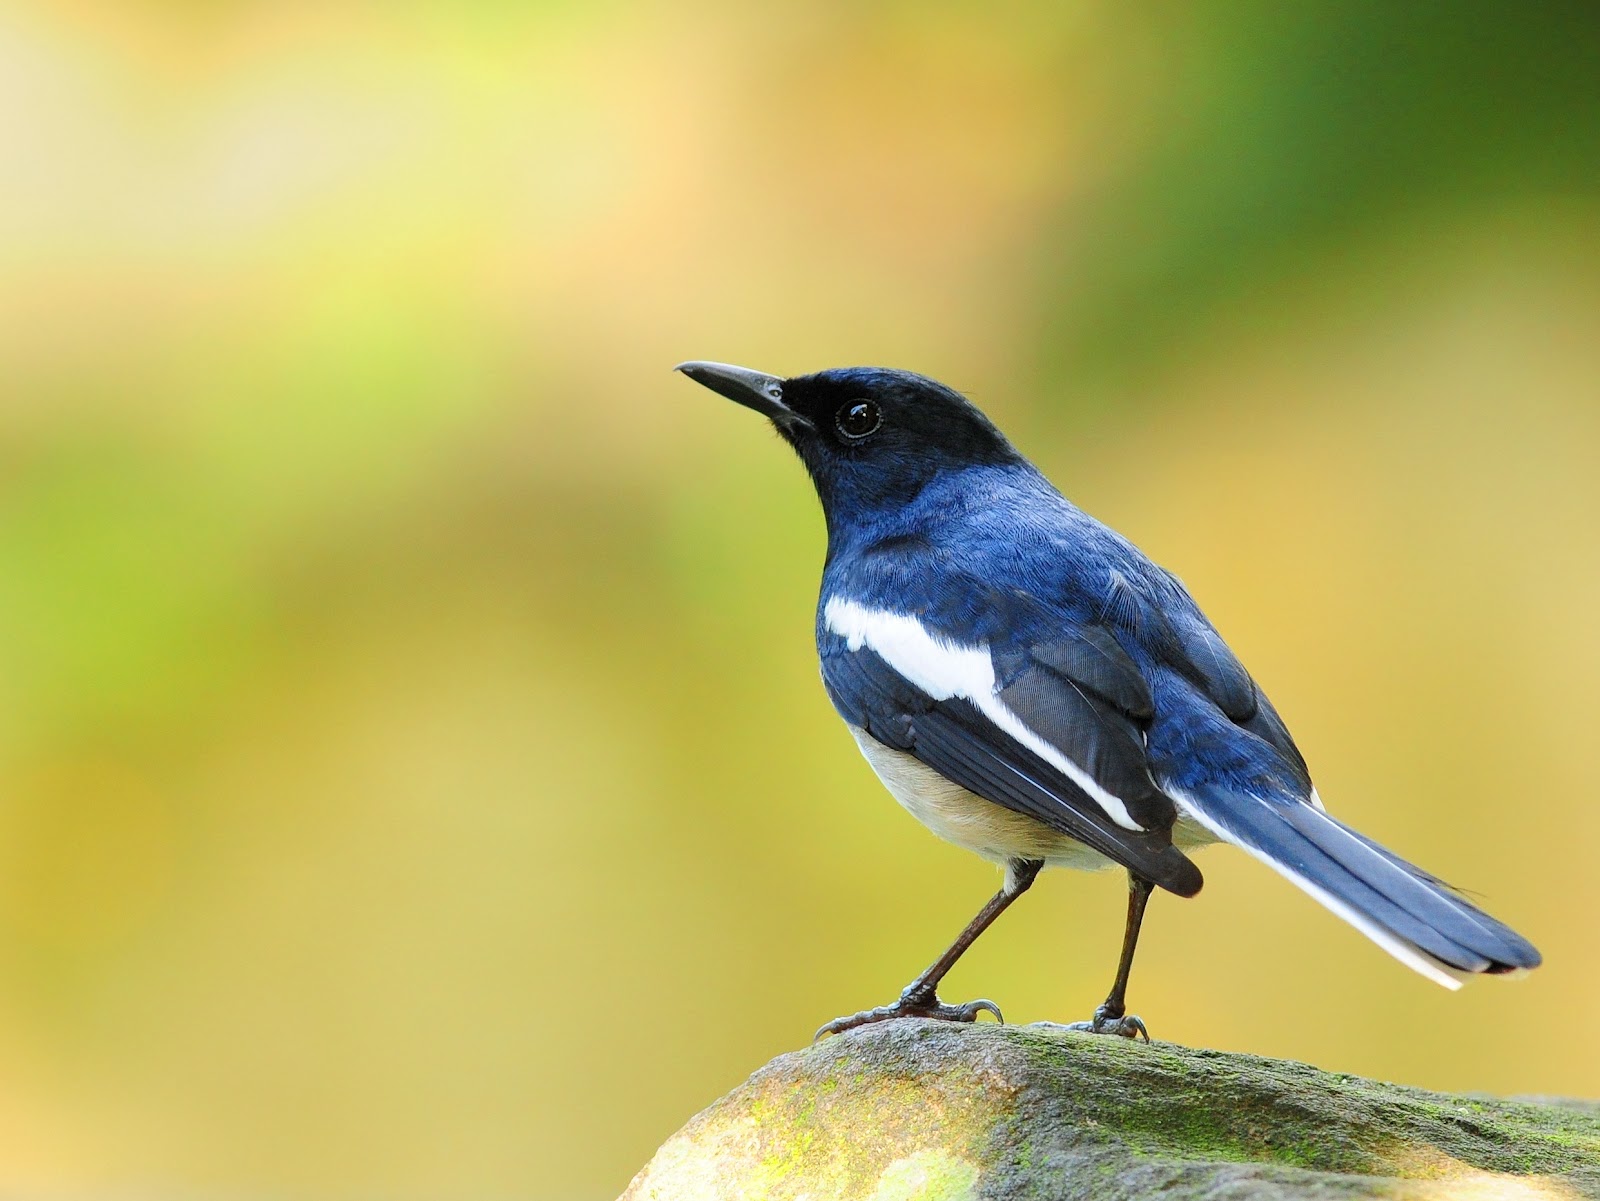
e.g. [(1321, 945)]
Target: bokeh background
[(416, 780)]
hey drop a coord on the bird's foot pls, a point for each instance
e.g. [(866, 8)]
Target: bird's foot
[(913, 1003), (1125, 1025), (1109, 1021)]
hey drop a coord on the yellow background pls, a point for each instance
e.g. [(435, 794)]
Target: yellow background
[(416, 779)]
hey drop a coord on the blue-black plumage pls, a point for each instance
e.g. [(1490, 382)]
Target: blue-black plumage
[(1031, 686)]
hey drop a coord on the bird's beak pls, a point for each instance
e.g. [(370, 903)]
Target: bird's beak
[(752, 389)]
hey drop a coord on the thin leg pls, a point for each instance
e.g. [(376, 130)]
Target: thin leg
[(920, 998), (1113, 1017)]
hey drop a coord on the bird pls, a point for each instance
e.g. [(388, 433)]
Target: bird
[(1033, 688)]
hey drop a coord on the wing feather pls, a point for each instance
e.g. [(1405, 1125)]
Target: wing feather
[(955, 737)]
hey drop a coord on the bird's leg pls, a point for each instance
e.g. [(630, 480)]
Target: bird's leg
[(920, 998), (1113, 1016)]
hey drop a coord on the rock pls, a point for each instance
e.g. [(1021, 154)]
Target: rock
[(930, 1111)]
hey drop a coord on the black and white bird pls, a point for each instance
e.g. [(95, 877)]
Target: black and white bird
[(1033, 688)]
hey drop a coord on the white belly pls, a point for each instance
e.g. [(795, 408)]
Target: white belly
[(965, 818), (981, 826)]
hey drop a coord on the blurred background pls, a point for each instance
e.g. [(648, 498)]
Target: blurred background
[(416, 779)]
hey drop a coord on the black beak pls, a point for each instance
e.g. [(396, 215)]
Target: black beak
[(752, 389)]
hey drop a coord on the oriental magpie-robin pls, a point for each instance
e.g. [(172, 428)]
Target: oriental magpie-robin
[(1033, 688)]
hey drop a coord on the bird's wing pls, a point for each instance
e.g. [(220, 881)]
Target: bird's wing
[(1047, 726), (1188, 645)]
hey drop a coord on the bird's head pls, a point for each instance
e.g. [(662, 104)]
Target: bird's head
[(871, 437)]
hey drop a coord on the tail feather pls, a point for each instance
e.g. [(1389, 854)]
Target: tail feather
[(1411, 914)]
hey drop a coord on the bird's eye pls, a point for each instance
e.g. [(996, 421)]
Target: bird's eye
[(858, 419)]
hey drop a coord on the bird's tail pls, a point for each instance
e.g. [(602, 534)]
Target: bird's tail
[(1417, 918)]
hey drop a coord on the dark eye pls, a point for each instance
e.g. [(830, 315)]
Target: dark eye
[(858, 419)]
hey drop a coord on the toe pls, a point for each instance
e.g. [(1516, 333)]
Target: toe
[(840, 1025), (1129, 1027), (865, 1018), (1124, 1027), (970, 1011)]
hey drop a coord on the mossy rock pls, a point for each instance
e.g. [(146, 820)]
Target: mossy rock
[(930, 1111)]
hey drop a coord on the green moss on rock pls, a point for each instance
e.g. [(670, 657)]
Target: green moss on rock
[(928, 1111)]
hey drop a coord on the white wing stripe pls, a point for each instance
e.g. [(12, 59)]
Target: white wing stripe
[(945, 669)]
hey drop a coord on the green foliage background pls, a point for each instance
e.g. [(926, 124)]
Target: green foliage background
[(416, 778)]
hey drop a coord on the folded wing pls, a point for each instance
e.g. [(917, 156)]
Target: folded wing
[(1048, 727)]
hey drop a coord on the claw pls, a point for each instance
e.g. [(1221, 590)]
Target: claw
[(971, 1010), (911, 1005)]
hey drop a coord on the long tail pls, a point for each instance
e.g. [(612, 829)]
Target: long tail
[(1414, 916)]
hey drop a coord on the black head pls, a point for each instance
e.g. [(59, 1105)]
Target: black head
[(871, 437)]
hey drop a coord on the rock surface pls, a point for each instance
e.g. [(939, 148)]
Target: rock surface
[(929, 1111)]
